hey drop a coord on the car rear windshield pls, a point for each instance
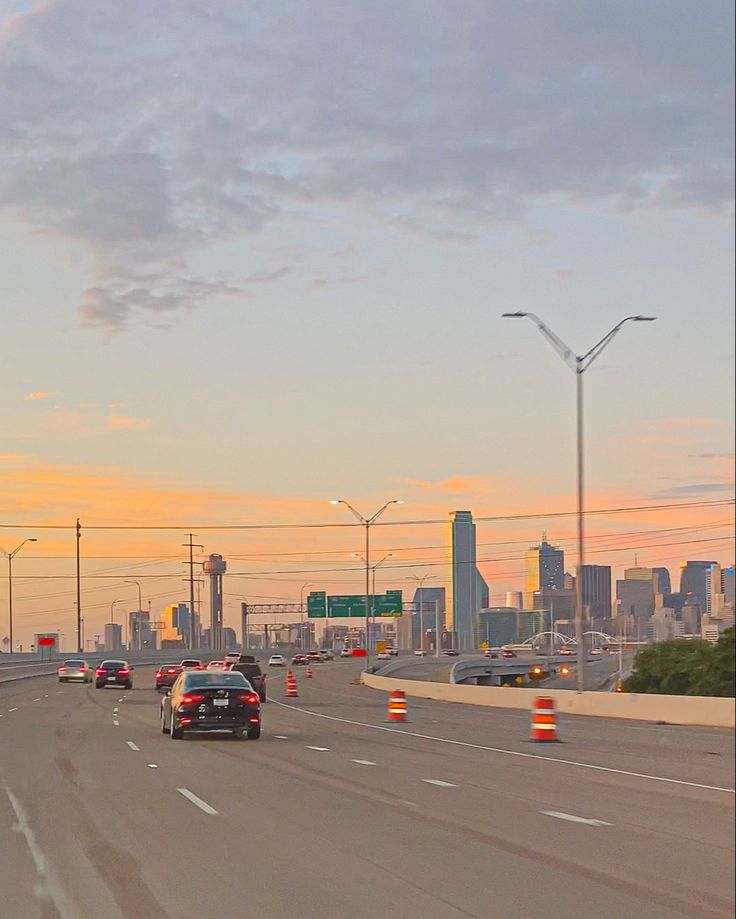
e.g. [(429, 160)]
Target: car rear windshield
[(191, 663), (74, 663), (248, 670), (113, 665), (205, 678)]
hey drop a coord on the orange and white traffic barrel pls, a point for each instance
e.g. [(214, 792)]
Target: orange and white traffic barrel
[(397, 705), (544, 720), (291, 688), (308, 674)]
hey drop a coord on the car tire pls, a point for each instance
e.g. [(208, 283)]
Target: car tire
[(164, 728), (176, 733), (98, 685), (128, 686), (254, 733)]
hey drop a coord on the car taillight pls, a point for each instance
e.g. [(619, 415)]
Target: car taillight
[(100, 671), (250, 698), (158, 674), (171, 670), (82, 669), (191, 699), (62, 669), (254, 720), (123, 671), (199, 667)]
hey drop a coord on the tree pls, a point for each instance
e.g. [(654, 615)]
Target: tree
[(719, 677), (685, 667)]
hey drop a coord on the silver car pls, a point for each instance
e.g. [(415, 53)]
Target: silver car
[(78, 671)]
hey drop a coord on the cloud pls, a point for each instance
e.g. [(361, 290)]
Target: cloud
[(698, 488), (127, 423), (151, 139), (35, 396)]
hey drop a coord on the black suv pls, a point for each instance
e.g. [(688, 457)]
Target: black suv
[(253, 674)]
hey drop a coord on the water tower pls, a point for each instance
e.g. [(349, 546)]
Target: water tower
[(215, 566)]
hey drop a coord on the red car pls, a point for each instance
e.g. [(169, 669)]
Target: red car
[(314, 656), (507, 654), (299, 659), (166, 674)]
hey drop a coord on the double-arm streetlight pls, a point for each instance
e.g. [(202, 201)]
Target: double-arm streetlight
[(578, 363), (420, 581), (10, 557), (373, 577), (367, 522)]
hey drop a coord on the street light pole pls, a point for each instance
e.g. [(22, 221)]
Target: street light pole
[(578, 363), (138, 617), (420, 581), (301, 615), (367, 522), (373, 576), (10, 557)]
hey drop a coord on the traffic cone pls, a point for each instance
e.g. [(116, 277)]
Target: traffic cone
[(308, 674), (544, 720), (291, 688), (397, 705)]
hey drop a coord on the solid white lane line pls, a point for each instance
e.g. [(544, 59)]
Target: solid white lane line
[(440, 783), (364, 762), (133, 746), (202, 805), (573, 819), (319, 749), (501, 751), (281, 736), (48, 889), (13, 709)]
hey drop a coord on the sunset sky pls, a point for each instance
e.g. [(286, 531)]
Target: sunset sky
[(254, 256)]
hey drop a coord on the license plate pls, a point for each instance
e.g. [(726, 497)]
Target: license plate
[(111, 679), (220, 701)]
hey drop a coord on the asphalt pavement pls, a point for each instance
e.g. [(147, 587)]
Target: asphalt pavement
[(337, 814)]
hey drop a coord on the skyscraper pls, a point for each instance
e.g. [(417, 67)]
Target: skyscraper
[(664, 585), (597, 592), (693, 582), (545, 569), (466, 583)]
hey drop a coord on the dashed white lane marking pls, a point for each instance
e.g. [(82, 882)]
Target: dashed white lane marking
[(48, 888), (202, 805), (319, 749), (116, 723), (439, 783), (133, 746), (281, 736), (38, 699), (13, 709), (503, 752), (573, 819), (152, 766), (59, 692), (364, 762)]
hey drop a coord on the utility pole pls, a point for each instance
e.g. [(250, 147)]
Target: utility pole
[(192, 546), (80, 646)]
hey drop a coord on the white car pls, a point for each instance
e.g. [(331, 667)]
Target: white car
[(419, 653), (596, 651), (277, 660), (383, 656), (216, 665), (346, 652), (75, 670)]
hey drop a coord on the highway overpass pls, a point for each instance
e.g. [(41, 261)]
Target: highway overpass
[(337, 814)]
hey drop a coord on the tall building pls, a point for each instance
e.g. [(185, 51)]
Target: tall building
[(502, 625), (727, 585), (556, 604), (714, 600), (466, 583), (664, 584), (113, 637), (141, 637), (514, 599), (424, 619), (177, 627), (545, 569), (693, 581), (597, 592), (635, 598), (215, 566)]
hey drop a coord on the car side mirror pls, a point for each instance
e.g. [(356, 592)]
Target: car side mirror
[(132, 668)]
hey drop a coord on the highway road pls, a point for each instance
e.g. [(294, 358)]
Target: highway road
[(336, 814)]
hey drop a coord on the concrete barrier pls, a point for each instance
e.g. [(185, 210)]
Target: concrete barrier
[(693, 710)]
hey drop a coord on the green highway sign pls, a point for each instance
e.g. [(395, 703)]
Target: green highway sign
[(317, 605), (352, 606)]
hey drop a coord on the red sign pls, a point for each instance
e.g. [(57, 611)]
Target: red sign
[(358, 652), (44, 642)]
